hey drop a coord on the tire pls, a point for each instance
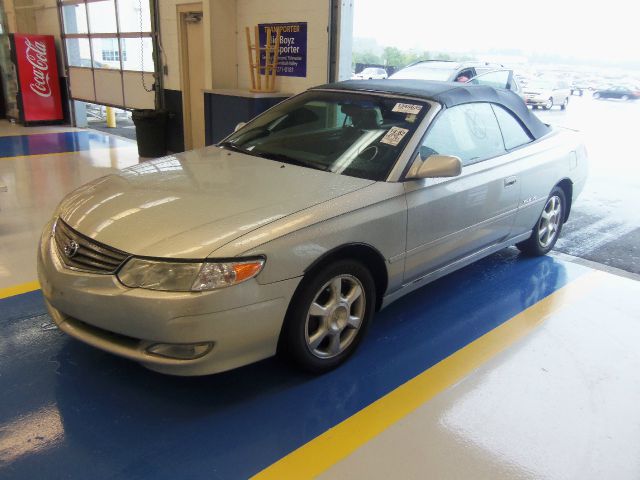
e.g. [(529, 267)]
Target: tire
[(596, 95), (625, 98), (564, 104), (547, 229), (549, 104), (324, 326)]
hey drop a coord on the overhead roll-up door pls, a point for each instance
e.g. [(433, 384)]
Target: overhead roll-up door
[(109, 51)]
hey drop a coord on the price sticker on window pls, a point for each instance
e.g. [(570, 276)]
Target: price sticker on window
[(394, 136), (406, 108)]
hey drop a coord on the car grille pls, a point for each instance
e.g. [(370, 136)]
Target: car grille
[(82, 253)]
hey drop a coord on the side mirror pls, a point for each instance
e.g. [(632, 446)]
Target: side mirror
[(436, 166), (239, 126)]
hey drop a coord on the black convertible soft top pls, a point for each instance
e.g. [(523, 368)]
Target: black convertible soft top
[(449, 94)]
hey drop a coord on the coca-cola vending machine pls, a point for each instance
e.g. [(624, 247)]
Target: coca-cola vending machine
[(38, 98)]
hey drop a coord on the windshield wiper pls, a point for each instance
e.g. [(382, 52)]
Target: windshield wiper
[(283, 157), (232, 146)]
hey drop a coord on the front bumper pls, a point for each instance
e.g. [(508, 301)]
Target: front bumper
[(243, 322), (536, 101)]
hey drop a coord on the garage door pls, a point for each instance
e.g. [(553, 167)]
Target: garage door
[(109, 51)]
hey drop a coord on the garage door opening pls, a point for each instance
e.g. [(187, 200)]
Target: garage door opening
[(110, 58)]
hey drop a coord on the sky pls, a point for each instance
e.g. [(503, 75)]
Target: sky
[(578, 29)]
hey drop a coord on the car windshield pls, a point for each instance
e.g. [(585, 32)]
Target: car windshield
[(370, 70), (359, 135)]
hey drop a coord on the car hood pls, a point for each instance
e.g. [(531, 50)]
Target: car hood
[(188, 205)]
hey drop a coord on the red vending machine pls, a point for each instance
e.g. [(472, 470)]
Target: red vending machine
[(38, 99)]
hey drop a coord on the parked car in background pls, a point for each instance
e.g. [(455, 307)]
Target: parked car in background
[(478, 73), (579, 88), (547, 93), (371, 73), (444, 70), (622, 93), (288, 235)]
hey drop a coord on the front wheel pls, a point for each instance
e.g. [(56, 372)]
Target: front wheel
[(596, 95), (329, 315), (547, 229), (625, 98), (564, 104), (549, 104)]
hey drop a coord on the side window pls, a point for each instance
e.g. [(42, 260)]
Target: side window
[(513, 133), (464, 75), (468, 131), (497, 79)]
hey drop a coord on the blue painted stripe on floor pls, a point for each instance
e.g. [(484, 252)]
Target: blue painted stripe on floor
[(46, 143), (117, 420)]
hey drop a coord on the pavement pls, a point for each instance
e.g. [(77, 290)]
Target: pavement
[(604, 226)]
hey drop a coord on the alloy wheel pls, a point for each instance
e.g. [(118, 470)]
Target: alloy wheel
[(549, 222), (335, 316)]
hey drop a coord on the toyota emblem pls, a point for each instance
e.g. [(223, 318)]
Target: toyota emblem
[(71, 248)]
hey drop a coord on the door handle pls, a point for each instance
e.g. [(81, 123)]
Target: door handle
[(510, 181)]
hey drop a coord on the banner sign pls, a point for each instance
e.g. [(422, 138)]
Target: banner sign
[(38, 76), (292, 56)]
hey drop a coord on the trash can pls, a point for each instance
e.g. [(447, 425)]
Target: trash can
[(151, 132)]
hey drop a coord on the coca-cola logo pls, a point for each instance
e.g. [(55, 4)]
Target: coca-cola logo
[(36, 53)]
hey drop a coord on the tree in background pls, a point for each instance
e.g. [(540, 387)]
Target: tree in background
[(397, 59), (367, 58)]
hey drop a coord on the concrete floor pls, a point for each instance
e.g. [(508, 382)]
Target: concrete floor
[(510, 368)]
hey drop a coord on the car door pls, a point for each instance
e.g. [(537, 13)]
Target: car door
[(498, 79), (451, 218)]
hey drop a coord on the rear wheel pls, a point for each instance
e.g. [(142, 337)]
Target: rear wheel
[(596, 95), (547, 229), (329, 315)]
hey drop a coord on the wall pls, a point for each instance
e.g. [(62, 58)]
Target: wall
[(37, 17), (314, 12), (170, 44), (225, 45), (46, 19)]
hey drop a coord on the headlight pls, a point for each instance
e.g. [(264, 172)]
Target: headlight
[(187, 276)]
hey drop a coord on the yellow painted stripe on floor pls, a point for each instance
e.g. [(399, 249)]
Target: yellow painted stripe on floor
[(337, 443), (19, 289)]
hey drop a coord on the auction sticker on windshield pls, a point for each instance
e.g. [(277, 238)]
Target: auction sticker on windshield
[(406, 108), (394, 136)]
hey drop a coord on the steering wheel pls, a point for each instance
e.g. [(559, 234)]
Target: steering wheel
[(368, 154)]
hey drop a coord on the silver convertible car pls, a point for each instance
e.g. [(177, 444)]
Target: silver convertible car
[(287, 236)]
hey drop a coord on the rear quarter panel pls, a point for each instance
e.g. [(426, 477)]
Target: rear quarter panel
[(542, 165)]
